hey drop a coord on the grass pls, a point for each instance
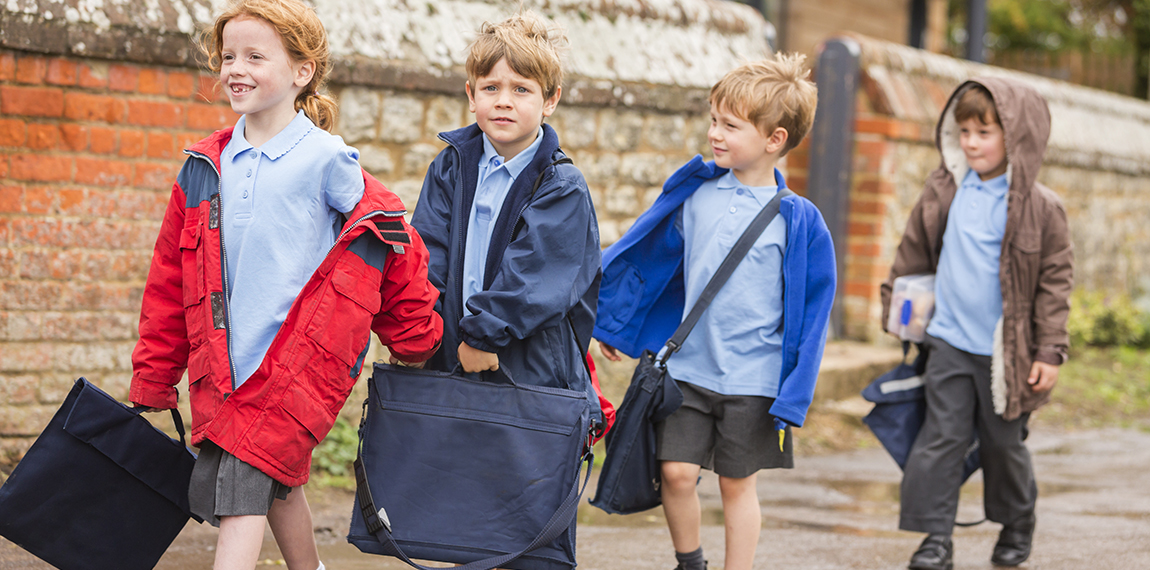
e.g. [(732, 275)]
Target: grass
[(1101, 387)]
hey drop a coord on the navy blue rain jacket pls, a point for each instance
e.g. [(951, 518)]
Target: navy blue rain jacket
[(541, 282)]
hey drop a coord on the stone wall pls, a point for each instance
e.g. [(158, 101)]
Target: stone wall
[(1098, 161), (97, 101)]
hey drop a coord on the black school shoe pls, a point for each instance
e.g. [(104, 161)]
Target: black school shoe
[(935, 553), (681, 567), (1013, 547)]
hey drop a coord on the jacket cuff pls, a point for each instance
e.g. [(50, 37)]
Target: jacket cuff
[(152, 394), (417, 356), (478, 343), (1051, 355)]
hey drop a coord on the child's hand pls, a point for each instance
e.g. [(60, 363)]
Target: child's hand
[(393, 360), (609, 352), (1043, 376), (475, 360)]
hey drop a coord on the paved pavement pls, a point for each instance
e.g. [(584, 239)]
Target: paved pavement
[(835, 510)]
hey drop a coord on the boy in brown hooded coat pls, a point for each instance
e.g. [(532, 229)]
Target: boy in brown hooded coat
[(998, 243)]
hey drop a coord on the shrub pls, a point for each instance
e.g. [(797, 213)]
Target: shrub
[(1099, 319)]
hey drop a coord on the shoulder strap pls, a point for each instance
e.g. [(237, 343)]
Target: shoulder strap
[(734, 257)]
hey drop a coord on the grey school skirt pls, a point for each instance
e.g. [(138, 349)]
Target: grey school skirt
[(223, 486)]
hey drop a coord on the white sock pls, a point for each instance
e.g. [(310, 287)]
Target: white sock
[(321, 567)]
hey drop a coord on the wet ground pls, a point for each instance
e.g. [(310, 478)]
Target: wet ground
[(836, 510)]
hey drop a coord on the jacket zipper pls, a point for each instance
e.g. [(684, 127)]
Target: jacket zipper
[(224, 261), (460, 240)]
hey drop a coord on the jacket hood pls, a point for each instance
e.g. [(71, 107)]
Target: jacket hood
[(1025, 121)]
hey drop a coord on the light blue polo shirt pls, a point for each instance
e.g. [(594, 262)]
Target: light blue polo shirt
[(496, 176), (280, 215), (968, 296), (736, 347)]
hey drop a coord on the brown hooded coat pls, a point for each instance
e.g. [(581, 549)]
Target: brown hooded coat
[(1036, 263)]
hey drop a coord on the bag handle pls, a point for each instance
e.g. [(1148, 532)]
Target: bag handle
[(176, 418), (380, 527), (734, 257)]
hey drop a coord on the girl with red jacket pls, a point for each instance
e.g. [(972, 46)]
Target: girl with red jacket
[(276, 258)]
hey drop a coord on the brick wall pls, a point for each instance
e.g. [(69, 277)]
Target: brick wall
[(88, 153)]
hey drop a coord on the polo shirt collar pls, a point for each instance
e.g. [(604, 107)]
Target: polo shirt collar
[(279, 145), (761, 194), (519, 162), (997, 186)]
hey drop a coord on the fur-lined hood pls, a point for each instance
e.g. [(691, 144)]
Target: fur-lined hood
[(1025, 121)]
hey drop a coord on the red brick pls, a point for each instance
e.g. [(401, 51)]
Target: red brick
[(101, 202), (101, 172), (875, 148), (11, 199), (12, 132), (72, 201), (41, 168), (62, 72), (75, 137), (181, 84), (158, 176), (38, 200), (103, 140), (123, 77), (7, 66), (874, 187), (878, 126), (860, 289), (186, 140), (131, 143), (153, 81), (31, 69), (209, 117), (3, 166), (208, 89), (87, 107), (868, 207), (161, 145), (94, 76), (34, 101), (43, 136), (871, 250), (155, 114), (862, 229)]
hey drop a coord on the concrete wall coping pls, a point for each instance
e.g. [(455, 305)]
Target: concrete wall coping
[(623, 52), (1090, 128)]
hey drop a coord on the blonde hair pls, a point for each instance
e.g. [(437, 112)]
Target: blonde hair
[(304, 39), (530, 45), (771, 93)]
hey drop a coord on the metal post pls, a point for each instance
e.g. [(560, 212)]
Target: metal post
[(975, 30), (832, 149), (917, 23)]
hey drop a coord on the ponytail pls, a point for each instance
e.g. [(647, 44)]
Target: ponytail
[(320, 108)]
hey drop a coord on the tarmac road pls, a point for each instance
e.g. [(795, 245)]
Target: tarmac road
[(833, 511)]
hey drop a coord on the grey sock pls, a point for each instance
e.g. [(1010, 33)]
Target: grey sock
[(691, 560)]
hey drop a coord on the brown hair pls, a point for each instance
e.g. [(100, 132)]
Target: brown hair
[(975, 102), (771, 93), (304, 39), (530, 45)]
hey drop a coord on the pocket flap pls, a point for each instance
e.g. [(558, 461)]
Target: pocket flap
[(146, 453), (306, 410), (1027, 241), (190, 237), (358, 287)]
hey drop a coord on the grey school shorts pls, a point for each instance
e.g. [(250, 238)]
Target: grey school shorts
[(223, 486), (734, 436)]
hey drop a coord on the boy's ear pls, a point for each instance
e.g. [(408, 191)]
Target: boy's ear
[(550, 104), (470, 97), (304, 73), (777, 140)]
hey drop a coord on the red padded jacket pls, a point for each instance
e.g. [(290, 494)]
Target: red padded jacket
[(373, 279)]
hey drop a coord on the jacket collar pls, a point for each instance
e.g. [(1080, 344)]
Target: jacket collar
[(213, 145)]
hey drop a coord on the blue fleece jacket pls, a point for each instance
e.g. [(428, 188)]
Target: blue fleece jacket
[(641, 297)]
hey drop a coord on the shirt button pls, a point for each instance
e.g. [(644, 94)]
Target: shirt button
[(245, 194), (734, 209), (249, 173), (739, 191)]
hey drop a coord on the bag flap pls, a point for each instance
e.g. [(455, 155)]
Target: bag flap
[(901, 384), (158, 461)]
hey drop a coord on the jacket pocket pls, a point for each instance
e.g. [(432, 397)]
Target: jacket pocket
[(192, 278), (1025, 256), (293, 427), (200, 392), (620, 296), (341, 323)]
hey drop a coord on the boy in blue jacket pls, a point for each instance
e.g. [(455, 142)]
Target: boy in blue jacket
[(748, 369), (509, 222)]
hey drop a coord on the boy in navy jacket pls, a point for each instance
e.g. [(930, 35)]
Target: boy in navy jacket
[(748, 369), (509, 222)]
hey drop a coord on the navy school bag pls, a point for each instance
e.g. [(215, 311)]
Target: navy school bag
[(100, 488), (899, 399)]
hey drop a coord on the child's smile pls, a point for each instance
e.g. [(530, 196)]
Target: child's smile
[(259, 77)]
